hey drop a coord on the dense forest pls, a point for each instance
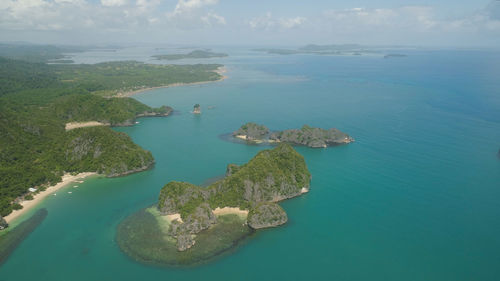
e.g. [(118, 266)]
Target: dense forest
[(38, 99)]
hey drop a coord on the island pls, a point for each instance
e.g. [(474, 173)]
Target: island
[(196, 54), (191, 224), (197, 109), (312, 49), (388, 56), (306, 136)]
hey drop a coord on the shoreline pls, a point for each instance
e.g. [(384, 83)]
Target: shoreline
[(76, 125), (220, 70), (37, 198)]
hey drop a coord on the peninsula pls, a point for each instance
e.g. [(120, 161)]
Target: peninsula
[(307, 136), (59, 117), (196, 54), (191, 224)]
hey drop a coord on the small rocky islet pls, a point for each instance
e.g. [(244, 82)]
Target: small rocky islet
[(306, 136), (191, 224)]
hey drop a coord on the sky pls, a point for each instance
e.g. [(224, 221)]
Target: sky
[(460, 23)]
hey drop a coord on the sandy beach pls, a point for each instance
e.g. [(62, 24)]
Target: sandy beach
[(230, 210), (221, 70), (37, 198), (74, 125)]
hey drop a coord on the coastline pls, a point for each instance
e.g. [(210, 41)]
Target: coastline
[(220, 70), (37, 198)]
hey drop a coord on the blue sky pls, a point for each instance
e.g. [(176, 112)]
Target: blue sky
[(256, 22)]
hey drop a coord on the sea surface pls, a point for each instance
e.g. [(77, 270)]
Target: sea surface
[(416, 197)]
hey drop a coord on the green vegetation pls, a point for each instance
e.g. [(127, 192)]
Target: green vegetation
[(37, 100), (272, 175), (252, 131), (308, 136), (36, 53), (196, 54)]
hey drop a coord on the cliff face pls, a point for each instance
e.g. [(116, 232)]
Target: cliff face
[(252, 131), (271, 176), (104, 151), (3, 223), (312, 137), (266, 215)]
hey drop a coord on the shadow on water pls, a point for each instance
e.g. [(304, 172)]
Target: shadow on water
[(14, 237)]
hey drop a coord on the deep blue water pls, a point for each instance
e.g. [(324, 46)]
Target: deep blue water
[(414, 198)]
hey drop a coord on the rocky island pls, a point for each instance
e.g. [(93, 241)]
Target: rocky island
[(197, 109), (191, 224), (307, 136)]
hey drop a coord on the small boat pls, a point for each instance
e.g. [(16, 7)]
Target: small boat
[(70, 192)]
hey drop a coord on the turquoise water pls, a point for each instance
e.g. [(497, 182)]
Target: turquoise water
[(414, 198)]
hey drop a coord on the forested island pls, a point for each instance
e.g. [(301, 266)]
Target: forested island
[(38, 100), (196, 54), (191, 224), (307, 136)]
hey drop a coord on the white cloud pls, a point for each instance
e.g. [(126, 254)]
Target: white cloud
[(267, 22), (292, 22), (113, 3), (409, 18), (106, 15)]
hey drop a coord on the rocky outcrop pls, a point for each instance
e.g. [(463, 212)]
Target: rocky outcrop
[(266, 215), (197, 109), (252, 131), (3, 223), (271, 176), (312, 137), (162, 111), (231, 169), (307, 136)]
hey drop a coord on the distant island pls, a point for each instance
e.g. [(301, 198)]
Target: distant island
[(191, 224), (339, 50), (344, 49), (196, 54), (307, 136), (388, 56)]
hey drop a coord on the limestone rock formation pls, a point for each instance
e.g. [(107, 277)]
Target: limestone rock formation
[(271, 176), (266, 215), (3, 223)]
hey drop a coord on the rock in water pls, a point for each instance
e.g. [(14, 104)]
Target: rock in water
[(3, 223), (197, 109), (266, 215)]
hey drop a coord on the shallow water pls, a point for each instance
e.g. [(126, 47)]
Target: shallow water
[(414, 198)]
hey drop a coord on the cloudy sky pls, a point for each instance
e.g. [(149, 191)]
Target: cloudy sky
[(253, 22)]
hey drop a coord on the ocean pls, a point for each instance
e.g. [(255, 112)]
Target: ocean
[(415, 197)]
